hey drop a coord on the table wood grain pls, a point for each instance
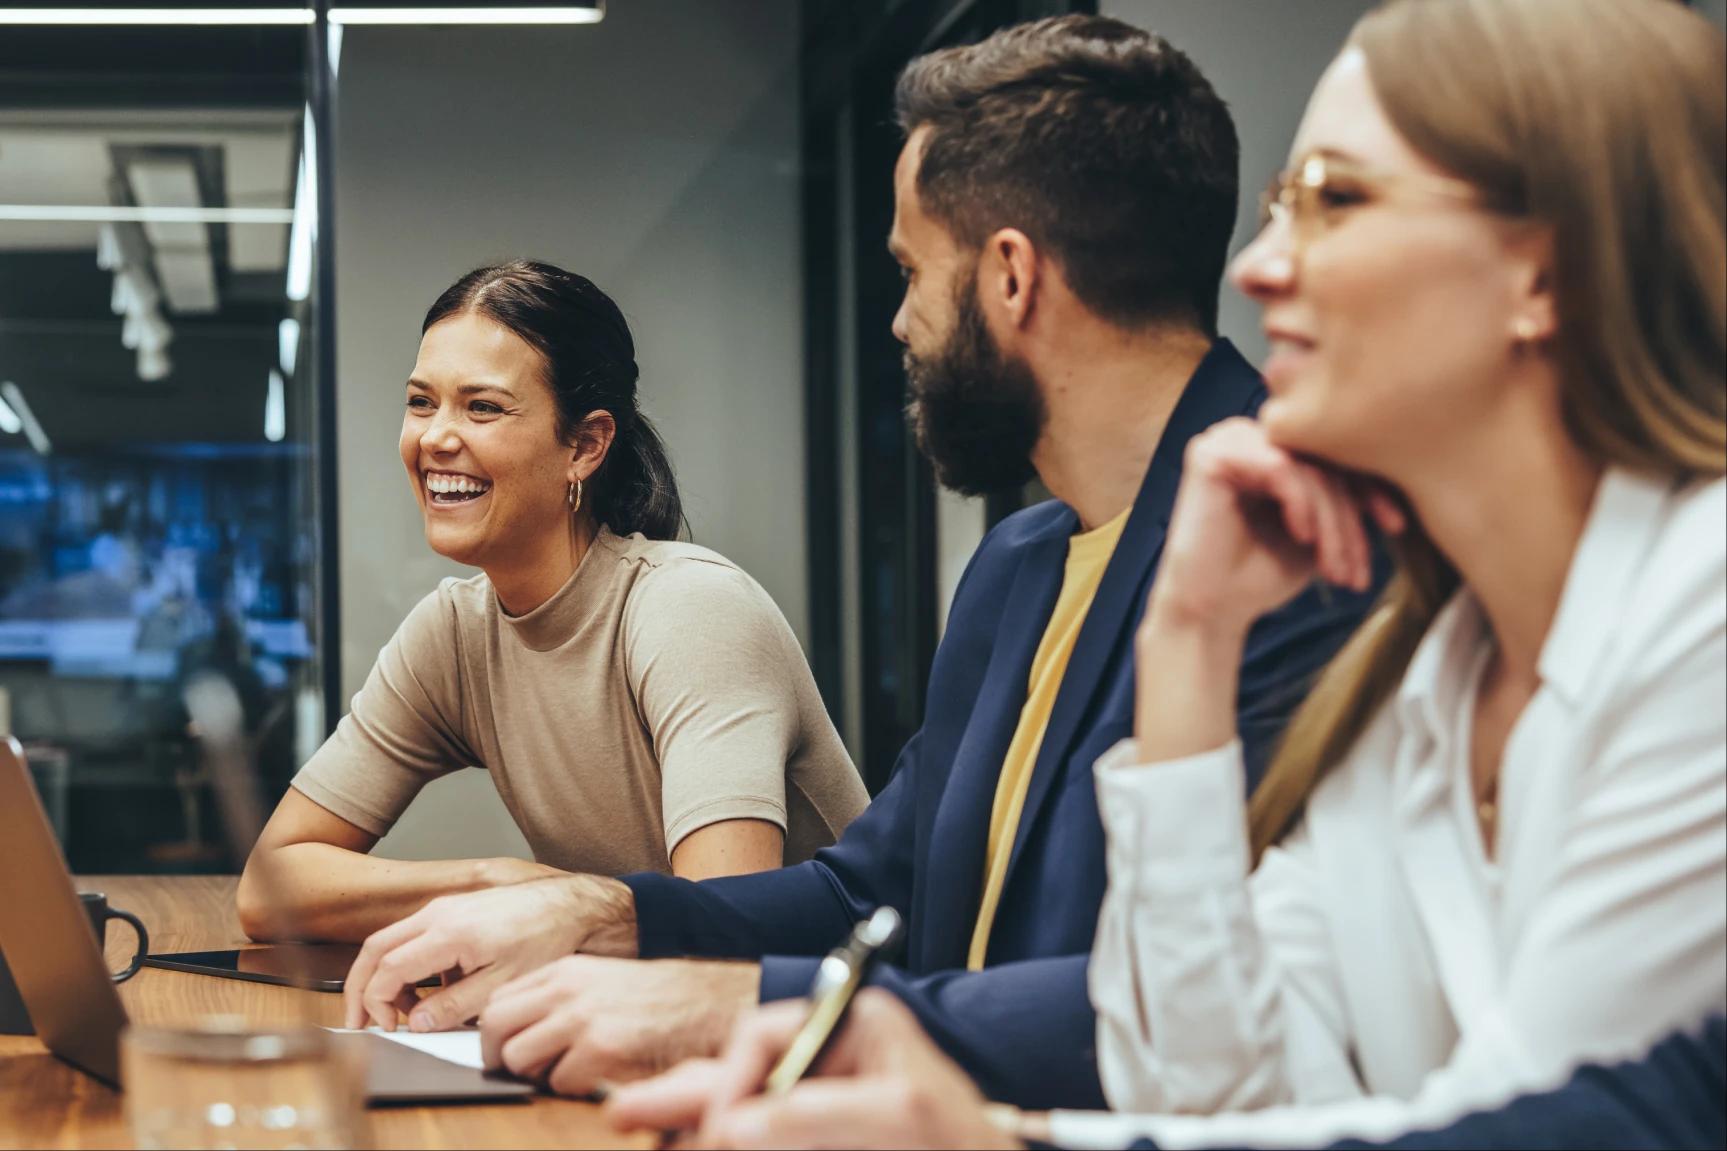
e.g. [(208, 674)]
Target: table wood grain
[(46, 1103)]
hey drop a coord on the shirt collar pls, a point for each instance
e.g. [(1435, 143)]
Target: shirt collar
[(1622, 519), (1441, 665), (1622, 523)]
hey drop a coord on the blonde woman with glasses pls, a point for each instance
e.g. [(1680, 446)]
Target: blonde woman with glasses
[(1494, 842), (1493, 845)]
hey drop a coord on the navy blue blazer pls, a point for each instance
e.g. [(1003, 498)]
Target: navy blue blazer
[(1024, 1026), (1674, 1097)]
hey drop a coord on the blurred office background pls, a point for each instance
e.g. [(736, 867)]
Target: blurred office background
[(158, 456), (202, 371)]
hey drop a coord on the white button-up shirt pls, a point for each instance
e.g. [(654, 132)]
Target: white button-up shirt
[(1379, 973)]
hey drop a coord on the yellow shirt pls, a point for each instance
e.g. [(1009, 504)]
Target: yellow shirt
[(1087, 556)]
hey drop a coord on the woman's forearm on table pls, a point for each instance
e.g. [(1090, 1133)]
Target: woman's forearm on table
[(326, 893)]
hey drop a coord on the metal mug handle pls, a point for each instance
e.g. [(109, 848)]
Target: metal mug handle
[(143, 944)]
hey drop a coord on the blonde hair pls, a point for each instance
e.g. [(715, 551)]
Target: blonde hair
[(1605, 122)]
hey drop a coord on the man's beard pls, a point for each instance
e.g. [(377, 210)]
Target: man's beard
[(975, 414)]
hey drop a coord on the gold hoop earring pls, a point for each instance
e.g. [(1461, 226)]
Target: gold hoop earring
[(574, 496)]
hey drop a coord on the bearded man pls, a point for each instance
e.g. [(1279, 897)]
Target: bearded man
[(1063, 206)]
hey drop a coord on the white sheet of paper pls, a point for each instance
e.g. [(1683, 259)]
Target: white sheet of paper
[(458, 1047)]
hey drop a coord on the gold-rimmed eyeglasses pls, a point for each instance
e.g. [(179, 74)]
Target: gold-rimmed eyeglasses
[(1314, 194)]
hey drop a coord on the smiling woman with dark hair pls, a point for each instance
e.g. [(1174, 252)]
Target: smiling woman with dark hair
[(640, 702)]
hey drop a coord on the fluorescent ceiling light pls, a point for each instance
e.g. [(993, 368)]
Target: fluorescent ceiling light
[(423, 14), (134, 292), (154, 364), (9, 421), (145, 330), (93, 214), (304, 218), (26, 418), (288, 344), (188, 280), (275, 410), (475, 14), (157, 16), (109, 255), (184, 266), (171, 184), (120, 246)]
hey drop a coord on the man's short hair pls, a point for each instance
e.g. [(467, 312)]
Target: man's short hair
[(1101, 142)]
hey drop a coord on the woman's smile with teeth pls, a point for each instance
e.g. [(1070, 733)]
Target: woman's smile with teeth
[(450, 488)]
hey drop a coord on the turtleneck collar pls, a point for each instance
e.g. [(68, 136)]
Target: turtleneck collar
[(558, 620)]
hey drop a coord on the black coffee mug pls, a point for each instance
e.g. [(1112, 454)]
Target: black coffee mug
[(14, 1019), (96, 907)]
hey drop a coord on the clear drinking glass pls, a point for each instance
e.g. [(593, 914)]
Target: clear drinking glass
[(221, 1085)]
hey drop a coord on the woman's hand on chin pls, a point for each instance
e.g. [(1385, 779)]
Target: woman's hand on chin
[(1253, 525)]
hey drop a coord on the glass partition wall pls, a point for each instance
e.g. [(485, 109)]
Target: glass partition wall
[(160, 471)]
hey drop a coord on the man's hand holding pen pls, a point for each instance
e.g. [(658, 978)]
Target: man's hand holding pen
[(880, 1083)]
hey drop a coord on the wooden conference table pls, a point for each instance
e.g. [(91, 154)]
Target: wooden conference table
[(45, 1103)]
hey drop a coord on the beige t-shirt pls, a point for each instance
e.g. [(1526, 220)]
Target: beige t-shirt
[(660, 690)]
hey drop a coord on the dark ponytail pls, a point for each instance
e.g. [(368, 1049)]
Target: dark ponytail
[(590, 362)]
